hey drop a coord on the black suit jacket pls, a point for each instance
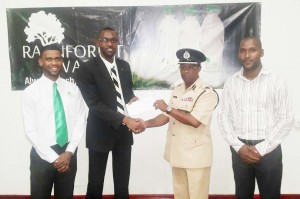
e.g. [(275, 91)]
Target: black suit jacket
[(104, 124)]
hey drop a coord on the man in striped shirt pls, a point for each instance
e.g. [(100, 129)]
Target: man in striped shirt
[(255, 116)]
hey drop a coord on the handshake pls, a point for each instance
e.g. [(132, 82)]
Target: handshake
[(136, 125)]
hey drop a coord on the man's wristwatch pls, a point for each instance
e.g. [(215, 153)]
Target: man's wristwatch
[(168, 109)]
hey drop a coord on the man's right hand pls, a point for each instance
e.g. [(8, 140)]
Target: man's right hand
[(249, 154), (135, 125)]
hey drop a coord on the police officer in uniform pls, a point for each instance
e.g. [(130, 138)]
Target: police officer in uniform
[(189, 147)]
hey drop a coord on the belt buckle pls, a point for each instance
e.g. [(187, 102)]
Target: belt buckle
[(250, 142)]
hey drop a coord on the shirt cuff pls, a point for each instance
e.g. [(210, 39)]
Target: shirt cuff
[(52, 157), (71, 148), (237, 145), (261, 148)]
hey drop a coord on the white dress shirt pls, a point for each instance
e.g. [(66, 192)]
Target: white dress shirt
[(39, 119), (254, 110)]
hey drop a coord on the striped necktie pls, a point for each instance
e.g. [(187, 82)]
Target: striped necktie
[(115, 79), (60, 119)]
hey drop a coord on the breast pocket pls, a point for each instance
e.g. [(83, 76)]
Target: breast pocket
[(186, 106), (70, 106), (191, 142)]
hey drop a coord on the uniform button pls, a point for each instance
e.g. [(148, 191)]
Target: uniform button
[(174, 122), (173, 134)]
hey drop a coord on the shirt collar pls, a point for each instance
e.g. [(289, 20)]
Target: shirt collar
[(263, 71), (107, 63), (197, 83), (49, 82)]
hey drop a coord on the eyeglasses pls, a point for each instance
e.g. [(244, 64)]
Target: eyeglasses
[(56, 59), (107, 40)]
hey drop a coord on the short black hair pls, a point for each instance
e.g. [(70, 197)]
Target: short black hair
[(256, 38), (54, 46), (107, 28)]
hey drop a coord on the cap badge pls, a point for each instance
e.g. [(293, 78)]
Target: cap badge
[(186, 55)]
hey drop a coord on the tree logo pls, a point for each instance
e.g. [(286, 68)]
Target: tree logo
[(44, 27)]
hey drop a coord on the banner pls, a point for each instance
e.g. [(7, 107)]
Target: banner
[(149, 38)]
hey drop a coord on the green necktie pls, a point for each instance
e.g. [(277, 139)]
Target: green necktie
[(60, 119)]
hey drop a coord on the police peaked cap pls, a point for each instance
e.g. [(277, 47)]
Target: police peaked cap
[(190, 56)]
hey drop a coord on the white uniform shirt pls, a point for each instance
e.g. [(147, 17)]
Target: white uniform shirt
[(254, 110), (39, 119)]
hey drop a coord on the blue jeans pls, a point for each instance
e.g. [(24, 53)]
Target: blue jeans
[(267, 172)]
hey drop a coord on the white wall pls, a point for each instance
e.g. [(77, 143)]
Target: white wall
[(150, 172)]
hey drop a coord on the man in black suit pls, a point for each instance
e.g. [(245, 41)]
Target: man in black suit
[(108, 126)]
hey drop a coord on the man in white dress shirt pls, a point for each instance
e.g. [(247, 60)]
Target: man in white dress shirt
[(50, 163), (255, 116)]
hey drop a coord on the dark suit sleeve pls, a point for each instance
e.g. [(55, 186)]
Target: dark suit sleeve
[(98, 94), (126, 80)]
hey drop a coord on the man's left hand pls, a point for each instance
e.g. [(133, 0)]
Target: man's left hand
[(62, 162), (161, 105)]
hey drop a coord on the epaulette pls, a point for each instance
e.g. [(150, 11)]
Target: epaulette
[(210, 88), (178, 85), (218, 99)]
